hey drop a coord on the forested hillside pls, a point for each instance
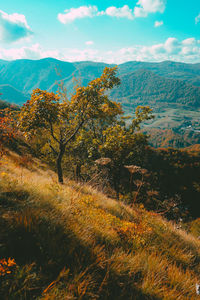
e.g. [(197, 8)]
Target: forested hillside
[(145, 87), (168, 69)]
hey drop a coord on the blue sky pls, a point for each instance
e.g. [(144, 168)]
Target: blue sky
[(112, 31)]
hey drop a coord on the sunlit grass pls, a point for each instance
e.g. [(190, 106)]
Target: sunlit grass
[(71, 242)]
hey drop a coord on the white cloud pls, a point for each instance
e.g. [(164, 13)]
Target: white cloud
[(89, 43), (33, 52), (37, 52), (77, 13), (72, 14), (187, 50), (197, 19), (172, 49), (13, 27), (158, 23), (172, 45), (144, 7), (121, 12), (81, 55), (189, 41)]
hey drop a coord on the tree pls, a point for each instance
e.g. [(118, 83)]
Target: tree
[(7, 131), (113, 138), (84, 149), (124, 146), (61, 119)]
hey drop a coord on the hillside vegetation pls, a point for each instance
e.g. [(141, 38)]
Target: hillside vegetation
[(169, 138), (144, 87), (72, 242)]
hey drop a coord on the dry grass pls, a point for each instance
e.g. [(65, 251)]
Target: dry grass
[(71, 242)]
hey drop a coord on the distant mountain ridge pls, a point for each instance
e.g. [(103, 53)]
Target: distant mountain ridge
[(141, 82), (146, 87), (8, 92)]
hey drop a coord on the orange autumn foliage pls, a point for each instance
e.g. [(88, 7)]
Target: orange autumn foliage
[(6, 128), (6, 266)]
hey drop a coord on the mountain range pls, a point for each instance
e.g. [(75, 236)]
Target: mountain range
[(141, 82)]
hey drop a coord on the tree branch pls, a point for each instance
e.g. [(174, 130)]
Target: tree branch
[(74, 133), (52, 133), (52, 148)]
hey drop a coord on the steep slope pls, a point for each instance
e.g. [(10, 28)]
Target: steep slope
[(168, 138), (71, 242), (194, 148)]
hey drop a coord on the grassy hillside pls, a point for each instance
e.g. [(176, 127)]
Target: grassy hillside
[(71, 242), (194, 148), (159, 137)]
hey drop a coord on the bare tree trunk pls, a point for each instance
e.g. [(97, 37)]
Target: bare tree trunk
[(59, 163), (78, 172), (116, 181)]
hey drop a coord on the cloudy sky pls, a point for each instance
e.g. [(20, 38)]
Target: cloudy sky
[(112, 31)]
